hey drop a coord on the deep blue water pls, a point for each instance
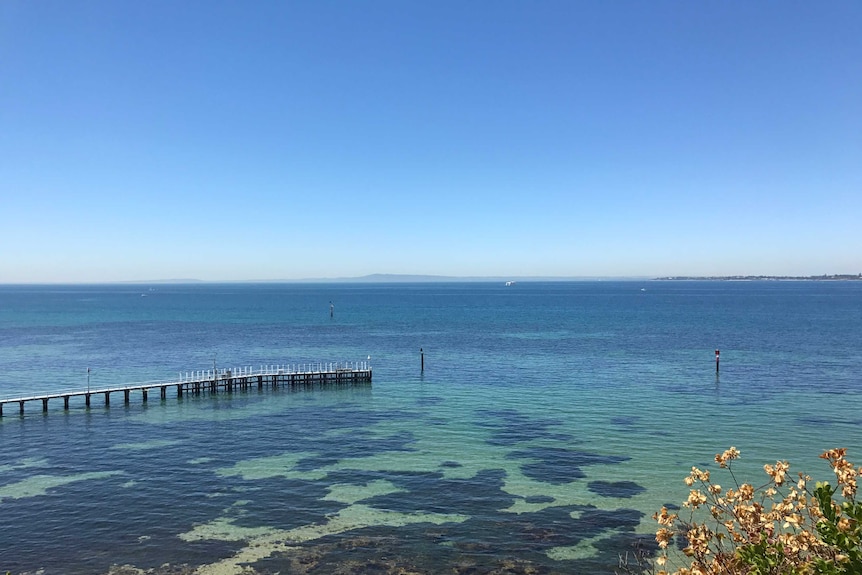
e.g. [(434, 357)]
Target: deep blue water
[(551, 419)]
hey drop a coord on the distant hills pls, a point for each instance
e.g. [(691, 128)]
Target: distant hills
[(409, 278)]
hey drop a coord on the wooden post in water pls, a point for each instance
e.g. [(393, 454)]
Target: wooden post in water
[(717, 354)]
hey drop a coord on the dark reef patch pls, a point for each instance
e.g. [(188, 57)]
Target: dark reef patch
[(621, 489), (430, 493), (539, 499), (557, 465), (591, 518), (510, 427)]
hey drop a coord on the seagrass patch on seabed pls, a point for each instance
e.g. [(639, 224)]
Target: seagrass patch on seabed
[(559, 465), (510, 427)]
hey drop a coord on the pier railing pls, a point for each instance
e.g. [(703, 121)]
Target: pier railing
[(218, 380), (286, 368)]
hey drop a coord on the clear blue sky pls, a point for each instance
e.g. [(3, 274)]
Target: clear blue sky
[(294, 139)]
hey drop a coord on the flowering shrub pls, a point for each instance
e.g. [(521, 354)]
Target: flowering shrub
[(780, 527)]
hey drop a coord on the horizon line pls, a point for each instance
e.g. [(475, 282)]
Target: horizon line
[(431, 278)]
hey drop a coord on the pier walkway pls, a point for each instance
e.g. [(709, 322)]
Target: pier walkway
[(214, 381)]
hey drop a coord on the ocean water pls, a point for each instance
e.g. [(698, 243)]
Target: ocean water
[(550, 422)]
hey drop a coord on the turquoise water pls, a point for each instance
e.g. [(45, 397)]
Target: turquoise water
[(550, 422)]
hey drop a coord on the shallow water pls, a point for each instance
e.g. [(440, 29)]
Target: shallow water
[(551, 419)]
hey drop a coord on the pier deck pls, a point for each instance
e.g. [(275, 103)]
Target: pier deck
[(215, 381)]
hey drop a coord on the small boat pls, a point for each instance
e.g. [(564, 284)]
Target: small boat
[(510, 284)]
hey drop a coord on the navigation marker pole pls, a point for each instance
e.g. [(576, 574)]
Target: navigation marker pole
[(422, 357), (717, 354)]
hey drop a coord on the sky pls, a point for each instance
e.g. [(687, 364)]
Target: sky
[(234, 140)]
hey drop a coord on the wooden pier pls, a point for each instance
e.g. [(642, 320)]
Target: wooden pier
[(216, 381)]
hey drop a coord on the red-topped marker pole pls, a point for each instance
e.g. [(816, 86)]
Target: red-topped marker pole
[(717, 356)]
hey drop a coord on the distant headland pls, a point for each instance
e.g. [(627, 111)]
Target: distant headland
[(825, 277)]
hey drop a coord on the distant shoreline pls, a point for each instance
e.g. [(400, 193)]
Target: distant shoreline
[(397, 278), (832, 277)]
